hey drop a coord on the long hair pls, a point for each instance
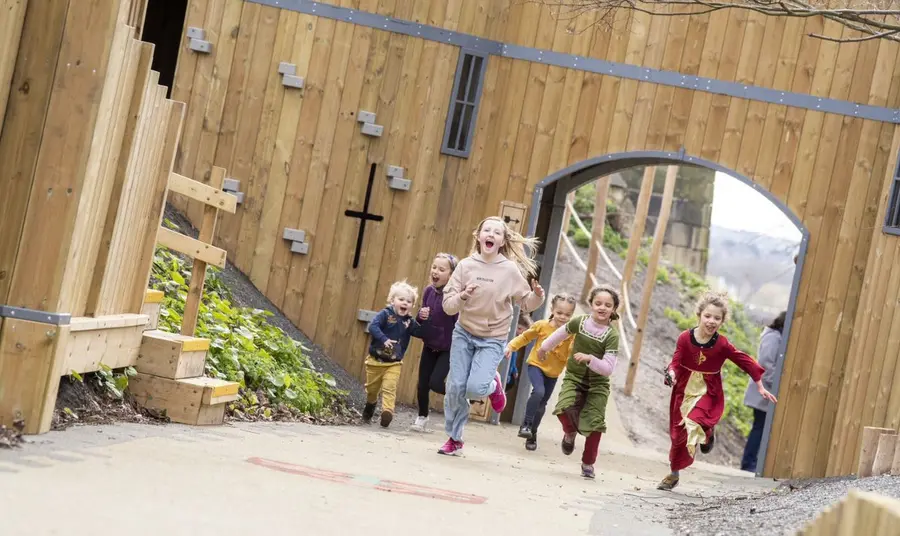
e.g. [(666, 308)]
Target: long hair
[(515, 246), (612, 292)]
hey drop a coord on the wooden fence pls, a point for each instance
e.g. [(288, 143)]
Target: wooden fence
[(87, 149), (857, 514)]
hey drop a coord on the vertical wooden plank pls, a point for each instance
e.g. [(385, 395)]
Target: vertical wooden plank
[(39, 50), (628, 89), (185, 68), (710, 59), (198, 268), (727, 70), (286, 268), (646, 92), (270, 234), (10, 33), (683, 98), (609, 86), (665, 95)]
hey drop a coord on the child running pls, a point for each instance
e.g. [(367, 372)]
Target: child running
[(543, 371), (483, 289), (390, 330), (581, 407), (698, 399), (436, 333)]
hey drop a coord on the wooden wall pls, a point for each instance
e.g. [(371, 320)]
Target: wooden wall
[(302, 161)]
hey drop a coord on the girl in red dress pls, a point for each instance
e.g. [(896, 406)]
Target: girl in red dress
[(698, 399)]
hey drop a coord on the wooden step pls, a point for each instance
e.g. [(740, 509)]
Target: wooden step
[(152, 305), (113, 340), (195, 401), (171, 355)]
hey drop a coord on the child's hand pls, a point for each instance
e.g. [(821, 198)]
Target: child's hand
[(424, 312), (467, 292), (389, 344), (537, 288), (542, 354), (582, 358), (507, 352), (669, 378)]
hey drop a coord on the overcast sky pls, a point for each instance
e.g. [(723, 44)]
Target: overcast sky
[(740, 207)]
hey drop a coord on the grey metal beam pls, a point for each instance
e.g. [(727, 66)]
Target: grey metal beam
[(593, 65), (33, 315)]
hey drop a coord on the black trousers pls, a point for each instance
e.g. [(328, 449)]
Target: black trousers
[(433, 369)]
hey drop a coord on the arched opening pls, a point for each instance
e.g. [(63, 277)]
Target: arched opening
[(548, 212)]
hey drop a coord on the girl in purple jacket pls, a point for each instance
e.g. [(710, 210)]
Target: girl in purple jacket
[(436, 333)]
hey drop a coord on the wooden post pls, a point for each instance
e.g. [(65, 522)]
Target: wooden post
[(10, 32), (650, 279), (868, 449), (884, 454), (895, 464), (597, 224), (198, 272), (640, 221)]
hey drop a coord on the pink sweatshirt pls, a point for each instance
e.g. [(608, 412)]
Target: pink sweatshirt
[(603, 366)]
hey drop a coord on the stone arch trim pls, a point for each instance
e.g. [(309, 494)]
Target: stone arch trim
[(580, 173)]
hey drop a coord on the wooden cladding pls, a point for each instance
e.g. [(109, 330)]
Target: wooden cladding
[(303, 163)]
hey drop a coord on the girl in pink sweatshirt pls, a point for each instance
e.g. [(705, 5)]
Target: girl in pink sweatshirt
[(581, 407), (483, 289)]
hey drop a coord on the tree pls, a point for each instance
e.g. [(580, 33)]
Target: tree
[(873, 19)]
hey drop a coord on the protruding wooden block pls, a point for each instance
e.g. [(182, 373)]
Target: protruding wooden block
[(884, 455), (868, 449), (151, 307), (195, 401), (480, 410), (171, 355)]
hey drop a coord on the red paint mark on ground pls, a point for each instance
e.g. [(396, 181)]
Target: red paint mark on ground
[(391, 486)]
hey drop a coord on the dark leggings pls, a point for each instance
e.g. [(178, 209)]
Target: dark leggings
[(433, 369), (541, 390), (591, 442)]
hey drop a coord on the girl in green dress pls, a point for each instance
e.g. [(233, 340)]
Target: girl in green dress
[(581, 407)]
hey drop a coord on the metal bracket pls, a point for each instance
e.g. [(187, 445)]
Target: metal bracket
[(365, 117), (33, 315), (395, 171), (196, 33), (289, 76), (232, 186), (365, 315), (371, 129), (298, 240), (287, 68), (399, 184)]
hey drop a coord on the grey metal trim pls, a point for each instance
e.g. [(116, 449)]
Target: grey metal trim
[(33, 315), (893, 204), (621, 70), (580, 173), (445, 149)]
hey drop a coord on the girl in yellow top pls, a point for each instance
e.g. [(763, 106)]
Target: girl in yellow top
[(543, 373)]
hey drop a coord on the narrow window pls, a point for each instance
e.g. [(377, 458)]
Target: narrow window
[(464, 101), (892, 216)]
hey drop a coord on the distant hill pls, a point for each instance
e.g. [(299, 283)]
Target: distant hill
[(756, 269)]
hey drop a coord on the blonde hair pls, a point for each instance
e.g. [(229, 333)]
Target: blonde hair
[(612, 292), (711, 297), (514, 246), (402, 287)]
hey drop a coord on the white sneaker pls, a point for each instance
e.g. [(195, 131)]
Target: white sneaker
[(419, 425)]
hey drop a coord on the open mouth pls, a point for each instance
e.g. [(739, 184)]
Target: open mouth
[(489, 244), (434, 279)]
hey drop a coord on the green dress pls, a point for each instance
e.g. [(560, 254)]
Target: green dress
[(584, 393)]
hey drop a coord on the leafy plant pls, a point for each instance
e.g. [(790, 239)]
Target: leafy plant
[(244, 347), (662, 275)]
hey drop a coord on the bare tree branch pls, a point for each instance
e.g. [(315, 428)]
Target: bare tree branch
[(873, 19)]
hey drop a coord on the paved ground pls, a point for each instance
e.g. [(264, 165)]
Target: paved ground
[(302, 479)]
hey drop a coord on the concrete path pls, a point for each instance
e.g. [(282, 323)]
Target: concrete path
[(300, 479)]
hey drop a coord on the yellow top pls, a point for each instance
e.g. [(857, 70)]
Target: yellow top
[(555, 361)]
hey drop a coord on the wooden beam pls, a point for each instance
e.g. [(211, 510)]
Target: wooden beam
[(868, 449), (89, 323), (597, 225), (204, 193), (116, 347), (640, 221), (10, 32), (191, 247), (884, 454), (31, 356), (198, 271), (650, 278)]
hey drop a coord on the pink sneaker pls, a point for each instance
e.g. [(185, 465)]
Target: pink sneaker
[(451, 448), (498, 397)]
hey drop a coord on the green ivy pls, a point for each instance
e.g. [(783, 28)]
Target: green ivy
[(244, 346), (662, 276)]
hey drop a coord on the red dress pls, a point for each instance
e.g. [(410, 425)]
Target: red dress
[(698, 399)]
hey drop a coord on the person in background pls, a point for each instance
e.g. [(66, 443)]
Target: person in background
[(769, 345)]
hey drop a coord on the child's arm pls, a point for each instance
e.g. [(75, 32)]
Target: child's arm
[(553, 340), (751, 367), (526, 337), (415, 329), (452, 301), (677, 356), (605, 365), (530, 297), (375, 327)]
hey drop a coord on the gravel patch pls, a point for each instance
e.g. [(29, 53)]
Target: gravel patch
[(245, 294), (782, 511)]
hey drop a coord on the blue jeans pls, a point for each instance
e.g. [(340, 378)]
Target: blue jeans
[(473, 365), (754, 439), (541, 390)]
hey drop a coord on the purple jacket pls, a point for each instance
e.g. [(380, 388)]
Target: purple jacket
[(437, 331)]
